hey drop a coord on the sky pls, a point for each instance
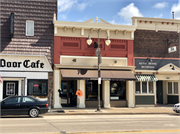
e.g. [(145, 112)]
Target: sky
[(116, 11)]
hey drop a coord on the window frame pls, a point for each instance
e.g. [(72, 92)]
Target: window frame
[(141, 93), (37, 80), (172, 88), (26, 27)]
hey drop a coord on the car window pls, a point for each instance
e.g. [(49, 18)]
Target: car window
[(13, 100), (26, 99)]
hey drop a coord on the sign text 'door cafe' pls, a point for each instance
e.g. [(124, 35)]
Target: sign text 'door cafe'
[(26, 64)]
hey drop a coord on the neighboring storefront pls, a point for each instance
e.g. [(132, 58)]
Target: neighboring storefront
[(158, 81), (24, 75), (75, 64), (156, 53)]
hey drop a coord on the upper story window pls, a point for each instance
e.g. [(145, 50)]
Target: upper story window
[(29, 28)]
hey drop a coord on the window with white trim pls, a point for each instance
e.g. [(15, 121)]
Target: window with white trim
[(144, 87), (172, 88), (29, 28)]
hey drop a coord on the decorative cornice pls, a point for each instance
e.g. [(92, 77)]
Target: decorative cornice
[(102, 26), (157, 24)]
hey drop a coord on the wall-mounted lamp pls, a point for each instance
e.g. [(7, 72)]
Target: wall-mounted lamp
[(149, 60), (74, 60), (169, 41), (115, 61), (172, 67)]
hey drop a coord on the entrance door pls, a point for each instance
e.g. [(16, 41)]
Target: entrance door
[(10, 88), (69, 98), (159, 88)]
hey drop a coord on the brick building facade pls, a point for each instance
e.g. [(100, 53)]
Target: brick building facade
[(149, 43), (156, 54), (38, 13)]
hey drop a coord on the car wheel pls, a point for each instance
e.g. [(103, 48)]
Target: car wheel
[(33, 112)]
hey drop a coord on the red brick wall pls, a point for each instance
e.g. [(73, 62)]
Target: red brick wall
[(149, 43)]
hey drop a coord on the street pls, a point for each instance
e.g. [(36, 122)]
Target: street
[(74, 124)]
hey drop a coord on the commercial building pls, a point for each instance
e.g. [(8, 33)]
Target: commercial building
[(76, 64), (26, 50), (156, 54)]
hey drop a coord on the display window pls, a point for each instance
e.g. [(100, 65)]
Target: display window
[(37, 87), (118, 90), (144, 87), (172, 88), (92, 90)]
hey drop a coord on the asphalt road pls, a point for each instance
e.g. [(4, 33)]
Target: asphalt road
[(92, 124)]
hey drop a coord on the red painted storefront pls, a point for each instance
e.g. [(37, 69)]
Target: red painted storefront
[(77, 46)]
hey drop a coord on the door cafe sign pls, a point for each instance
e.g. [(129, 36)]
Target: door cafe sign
[(154, 64), (24, 63)]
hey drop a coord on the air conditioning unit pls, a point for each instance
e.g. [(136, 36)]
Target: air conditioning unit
[(172, 49)]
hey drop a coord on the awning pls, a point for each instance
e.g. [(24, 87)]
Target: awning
[(93, 74), (117, 75), (146, 77)]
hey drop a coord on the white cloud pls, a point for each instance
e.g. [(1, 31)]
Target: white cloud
[(64, 5), (129, 11), (112, 22), (161, 5), (159, 16), (176, 9), (81, 6)]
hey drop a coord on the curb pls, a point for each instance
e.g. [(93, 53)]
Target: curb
[(51, 114)]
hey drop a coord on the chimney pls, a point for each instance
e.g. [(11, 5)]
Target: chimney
[(172, 15)]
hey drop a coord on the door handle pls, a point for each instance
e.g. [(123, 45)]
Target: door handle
[(17, 104)]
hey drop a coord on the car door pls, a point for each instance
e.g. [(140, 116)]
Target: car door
[(11, 106), (26, 103)]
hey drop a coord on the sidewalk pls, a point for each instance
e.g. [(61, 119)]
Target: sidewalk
[(165, 109)]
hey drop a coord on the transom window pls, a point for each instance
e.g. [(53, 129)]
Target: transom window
[(10, 88), (144, 87), (172, 88)]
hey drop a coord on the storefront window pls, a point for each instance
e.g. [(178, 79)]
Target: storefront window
[(176, 87), (172, 87), (118, 90), (169, 87), (92, 90), (151, 87), (37, 87), (138, 88), (144, 87)]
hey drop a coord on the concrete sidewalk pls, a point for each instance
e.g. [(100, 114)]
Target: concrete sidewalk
[(108, 111)]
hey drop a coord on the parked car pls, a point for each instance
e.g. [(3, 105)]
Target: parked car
[(176, 108), (23, 105)]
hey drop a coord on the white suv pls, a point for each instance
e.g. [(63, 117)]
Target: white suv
[(176, 108)]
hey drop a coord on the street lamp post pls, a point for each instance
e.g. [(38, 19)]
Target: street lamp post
[(98, 51)]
